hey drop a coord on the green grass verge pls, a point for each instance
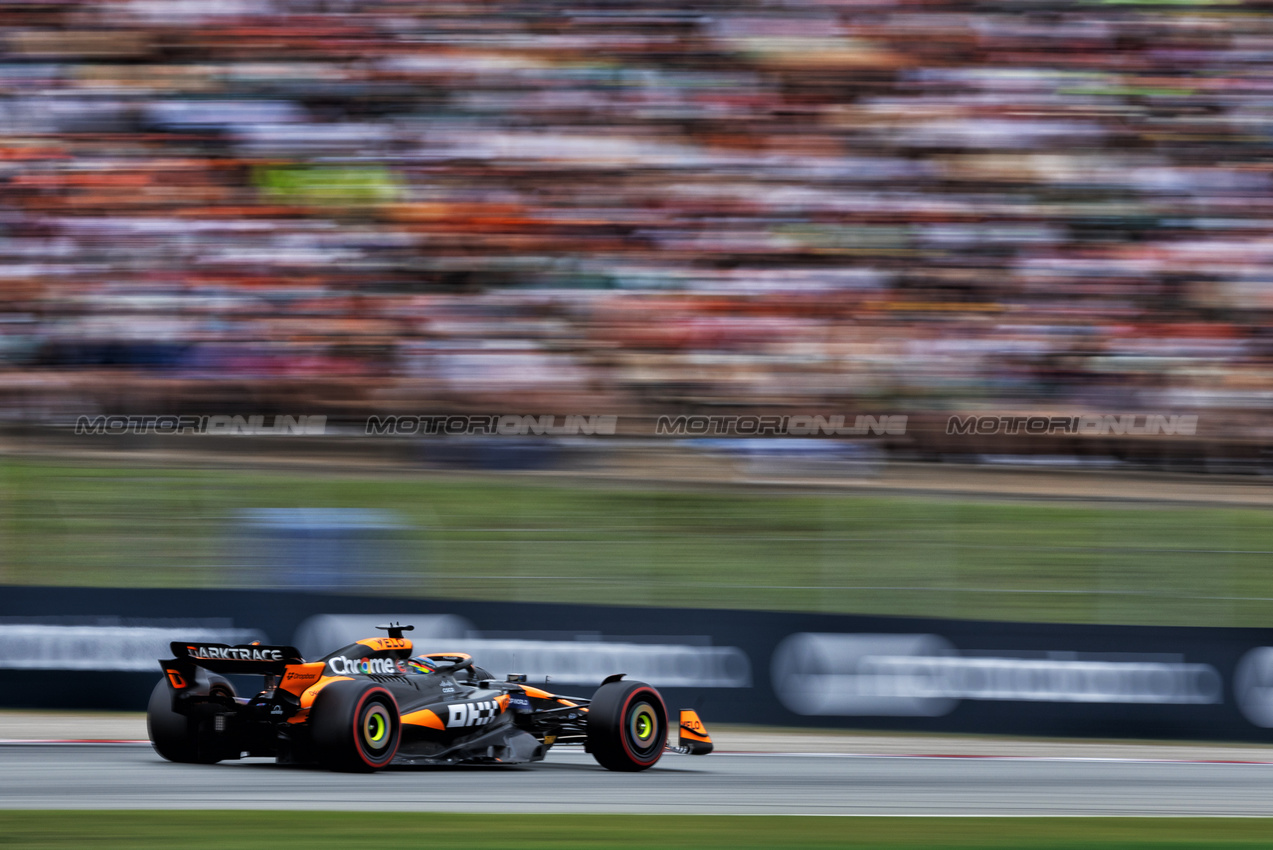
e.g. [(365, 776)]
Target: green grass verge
[(380, 830), (524, 539)]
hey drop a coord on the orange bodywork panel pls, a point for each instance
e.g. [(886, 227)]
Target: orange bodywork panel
[(298, 677), (694, 738), (423, 717), (307, 698), (538, 694), (380, 644), (693, 728)]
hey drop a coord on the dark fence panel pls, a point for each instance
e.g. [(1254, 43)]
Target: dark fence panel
[(96, 648)]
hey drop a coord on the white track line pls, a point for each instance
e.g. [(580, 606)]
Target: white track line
[(969, 757), (735, 753)]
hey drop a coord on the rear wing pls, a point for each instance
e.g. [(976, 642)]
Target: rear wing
[(223, 658)]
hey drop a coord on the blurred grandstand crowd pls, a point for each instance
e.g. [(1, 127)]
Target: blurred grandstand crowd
[(362, 206)]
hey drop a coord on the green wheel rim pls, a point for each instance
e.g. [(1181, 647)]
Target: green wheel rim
[(643, 726), (376, 729)]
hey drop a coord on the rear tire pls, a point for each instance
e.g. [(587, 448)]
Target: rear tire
[(355, 727), (181, 738), (627, 726)]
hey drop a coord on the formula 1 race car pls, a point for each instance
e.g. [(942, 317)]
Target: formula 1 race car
[(372, 704)]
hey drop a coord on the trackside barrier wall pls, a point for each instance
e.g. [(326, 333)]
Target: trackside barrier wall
[(97, 648)]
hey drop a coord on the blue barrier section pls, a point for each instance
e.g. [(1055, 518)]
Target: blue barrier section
[(97, 648), (312, 548)]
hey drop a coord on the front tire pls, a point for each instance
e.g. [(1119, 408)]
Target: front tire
[(355, 727), (179, 737), (627, 726)]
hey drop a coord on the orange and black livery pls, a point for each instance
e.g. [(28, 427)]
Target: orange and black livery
[(378, 702)]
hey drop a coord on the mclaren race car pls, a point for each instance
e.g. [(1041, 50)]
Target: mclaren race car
[(374, 703)]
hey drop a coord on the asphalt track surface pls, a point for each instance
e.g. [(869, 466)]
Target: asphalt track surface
[(131, 776)]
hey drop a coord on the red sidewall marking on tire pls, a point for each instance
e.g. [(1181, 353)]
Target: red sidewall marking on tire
[(358, 728), (623, 718)]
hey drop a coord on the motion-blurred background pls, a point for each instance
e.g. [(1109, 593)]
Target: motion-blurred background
[(642, 209)]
